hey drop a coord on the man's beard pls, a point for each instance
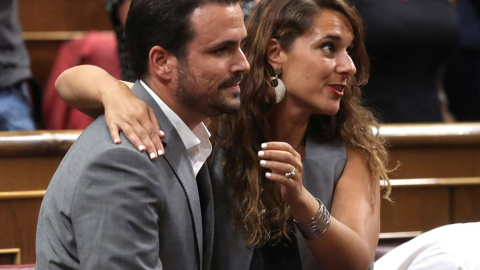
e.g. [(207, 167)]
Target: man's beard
[(208, 102)]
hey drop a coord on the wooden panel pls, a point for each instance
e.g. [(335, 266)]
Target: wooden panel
[(32, 173), (28, 160), (433, 150), (416, 209), (18, 221), (466, 204), (423, 162), (63, 15)]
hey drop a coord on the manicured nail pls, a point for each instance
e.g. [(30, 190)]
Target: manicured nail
[(263, 162), (268, 174), (160, 152), (162, 133), (261, 153), (141, 147), (264, 145), (152, 155), (116, 141)]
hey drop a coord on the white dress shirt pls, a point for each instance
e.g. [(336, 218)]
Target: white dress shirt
[(450, 247), (196, 140)]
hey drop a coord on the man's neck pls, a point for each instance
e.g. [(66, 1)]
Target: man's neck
[(167, 95)]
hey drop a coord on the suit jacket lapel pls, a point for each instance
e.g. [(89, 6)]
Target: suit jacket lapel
[(177, 156)]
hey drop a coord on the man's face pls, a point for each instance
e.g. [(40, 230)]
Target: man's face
[(210, 74)]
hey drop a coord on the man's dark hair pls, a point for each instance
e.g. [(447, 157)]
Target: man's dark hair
[(165, 23)]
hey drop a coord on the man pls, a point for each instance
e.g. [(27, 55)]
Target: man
[(109, 206), (117, 11)]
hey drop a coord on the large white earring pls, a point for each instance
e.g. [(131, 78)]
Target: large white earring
[(277, 83)]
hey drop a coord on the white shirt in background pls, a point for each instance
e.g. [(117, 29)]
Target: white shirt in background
[(450, 247)]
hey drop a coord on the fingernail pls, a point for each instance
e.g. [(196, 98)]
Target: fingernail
[(160, 152), (116, 141), (162, 133), (141, 147), (152, 155), (263, 162), (268, 174), (264, 145), (261, 153)]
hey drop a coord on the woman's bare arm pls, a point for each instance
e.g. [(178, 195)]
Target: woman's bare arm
[(351, 239), (93, 91)]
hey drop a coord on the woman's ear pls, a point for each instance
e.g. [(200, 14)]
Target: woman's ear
[(161, 62), (276, 56)]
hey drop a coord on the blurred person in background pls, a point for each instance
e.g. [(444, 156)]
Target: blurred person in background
[(118, 10), (462, 76), (409, 43), (15, 101)]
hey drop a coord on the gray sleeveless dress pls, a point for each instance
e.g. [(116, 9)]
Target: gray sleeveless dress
[(323, 166)]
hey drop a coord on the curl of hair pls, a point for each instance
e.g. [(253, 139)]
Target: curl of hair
[(258, 208)]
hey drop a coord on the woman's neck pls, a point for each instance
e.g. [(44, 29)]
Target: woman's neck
[(289, 125)]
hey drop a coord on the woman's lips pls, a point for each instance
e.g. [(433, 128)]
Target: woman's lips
[(337, 89)]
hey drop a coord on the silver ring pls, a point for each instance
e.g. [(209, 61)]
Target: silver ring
[(291, 174)]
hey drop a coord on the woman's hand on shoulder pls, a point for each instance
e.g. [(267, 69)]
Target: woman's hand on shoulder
[(127, 113)]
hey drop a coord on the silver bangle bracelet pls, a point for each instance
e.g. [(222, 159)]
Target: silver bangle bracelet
[(317, 225)]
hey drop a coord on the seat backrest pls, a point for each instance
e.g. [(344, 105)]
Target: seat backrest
[(18, 267)]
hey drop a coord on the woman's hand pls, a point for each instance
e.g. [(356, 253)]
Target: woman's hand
[(126, 112), (283, 160)]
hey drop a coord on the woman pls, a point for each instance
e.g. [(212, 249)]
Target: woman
[(292, 154)]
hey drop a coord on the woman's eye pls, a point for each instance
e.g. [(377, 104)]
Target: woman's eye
[(328, 48)]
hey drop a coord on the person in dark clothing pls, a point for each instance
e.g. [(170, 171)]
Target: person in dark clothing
[(409, 43), (15, 104), (462, 75)]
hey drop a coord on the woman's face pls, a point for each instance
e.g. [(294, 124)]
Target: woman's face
[(317, 68)]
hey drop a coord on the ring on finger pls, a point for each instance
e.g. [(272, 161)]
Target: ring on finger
[(291, 174)]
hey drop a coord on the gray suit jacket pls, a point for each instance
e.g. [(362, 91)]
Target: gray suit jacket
[(109, 207), (323, 166)]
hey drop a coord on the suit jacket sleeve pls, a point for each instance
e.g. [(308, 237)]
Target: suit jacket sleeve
[(115, 212)]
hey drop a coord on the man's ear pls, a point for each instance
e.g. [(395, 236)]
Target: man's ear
[(276, 56), (161, 62)]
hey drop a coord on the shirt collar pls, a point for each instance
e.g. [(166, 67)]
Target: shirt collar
[(190, 138)]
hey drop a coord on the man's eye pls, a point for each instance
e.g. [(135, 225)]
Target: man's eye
[(220, 50)]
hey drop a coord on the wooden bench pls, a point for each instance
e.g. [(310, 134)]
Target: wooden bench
[(28, 161), (438, 180), (437, 183)]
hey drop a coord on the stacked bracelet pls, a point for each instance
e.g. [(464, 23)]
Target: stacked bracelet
[(317, 225)]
